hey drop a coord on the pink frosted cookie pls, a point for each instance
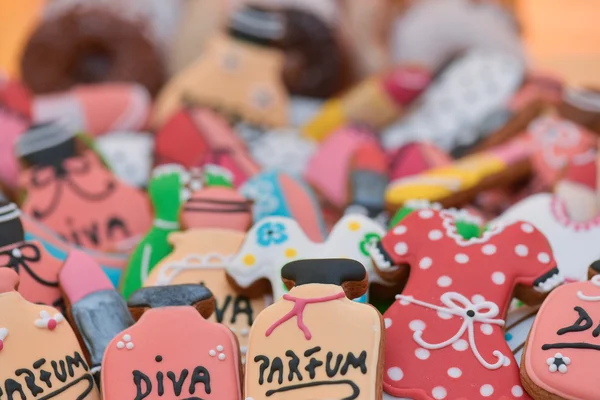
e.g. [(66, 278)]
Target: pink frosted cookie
[(11, 126), (561, 353), (172, 350), (449, 319)]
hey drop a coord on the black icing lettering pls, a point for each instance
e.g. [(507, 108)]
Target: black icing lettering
[(293, 365), (360, 362), (265, 364), (220, 311), (200, 375), (313, 363), (74, 235), (75, 361), (178, 383), (331, 372), (577, 345), (116, 224), (62, 374), (139, 378), (242, 305), (46, 377), (596, 331), (159, 380), (92, 233), (352, 385), (13, 387), (583, 323), (29, 381), (276, 366), (39, 363)]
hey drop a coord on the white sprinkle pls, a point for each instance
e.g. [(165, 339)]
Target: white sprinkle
[(127, 338), (221, 356), (444, 281), (212, 353), (220, 348), (129, 346), (425, 263), (396, 374), (120, 345), (454, 372), (498, 278)]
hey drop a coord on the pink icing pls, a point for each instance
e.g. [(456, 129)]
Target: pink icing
[(513, 151), (303, 208), (9, 280), (81, 275), (11, 127)]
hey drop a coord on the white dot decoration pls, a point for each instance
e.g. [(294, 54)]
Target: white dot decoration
[(222, 356), (120, 345), (460, 345), (489, 249), (477, 298), (127, 338), (388, 322), (396, 374), (486, 329), (212, 353), (544, 258), (435, 234), (439, 393), (486, 390), (422, 354), (498, 278), (461, 258), (527, 228), (444, 281), (401, 248), (454, 372), (425, 263), (426, 214), (444, 315), (517, 391), (521, 250), (129, 346), (219, 348), (399, 230), (417, 325)]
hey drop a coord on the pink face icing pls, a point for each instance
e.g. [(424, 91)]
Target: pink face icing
[(449, 319), (176, 349), (564, 343), (86, 205)]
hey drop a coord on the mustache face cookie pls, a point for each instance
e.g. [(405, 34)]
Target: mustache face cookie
[(275, 241), (449, 318), (315, 343), (562, 349)]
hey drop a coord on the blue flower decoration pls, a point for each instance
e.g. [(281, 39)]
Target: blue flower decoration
[(271, 233)]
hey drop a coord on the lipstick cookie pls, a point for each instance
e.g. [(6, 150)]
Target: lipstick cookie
[(172, 350), (449, 318), (315, 343)]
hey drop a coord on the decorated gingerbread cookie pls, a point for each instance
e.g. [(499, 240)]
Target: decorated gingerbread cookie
[(63, 186), (39, 353), (201, 256), (172, 350), (37, 269), (449, 318), (314, 342), (455, 107), (279, 194), (563, 344), (582, 106), (275, 241), (12, 126)]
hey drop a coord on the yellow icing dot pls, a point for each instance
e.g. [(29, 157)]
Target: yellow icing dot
[(354, 226), (290, 252), (249, 260)]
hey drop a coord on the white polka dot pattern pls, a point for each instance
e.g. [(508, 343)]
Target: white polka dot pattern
[(439, 393), (435, 234), (422, 354), (498, 278), (425, 263), (517, 391), (461, 258), (521, 250), (488, 249), (544, 258), (401, 248), (396, 374), (454, 372), (444, 281), (486, 390), (399, 230)]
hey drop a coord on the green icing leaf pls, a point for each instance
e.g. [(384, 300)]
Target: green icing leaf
[(466, 229)]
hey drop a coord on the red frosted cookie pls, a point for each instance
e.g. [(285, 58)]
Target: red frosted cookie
[(314, 342), (562, 349), (172, 351), (74, 194), (445, 333)]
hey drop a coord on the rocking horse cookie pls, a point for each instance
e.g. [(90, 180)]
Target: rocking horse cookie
[(275, 241), (201, 256), (315, 343), (63, 185), (562, 348), (172, 350), (449, 318), (39, 353)]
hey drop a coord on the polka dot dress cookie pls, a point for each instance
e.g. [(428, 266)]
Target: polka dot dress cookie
[(449, 319)]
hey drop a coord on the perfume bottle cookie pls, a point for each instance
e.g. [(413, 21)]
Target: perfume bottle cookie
[(162, 354), (315, 342), (201, 256), (63, 183), (40, 356), (450, 316)]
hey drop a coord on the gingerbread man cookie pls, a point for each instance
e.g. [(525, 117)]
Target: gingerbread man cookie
[(275, 241), (201, 256), (449, 319), (62, 186), (562, 347), (172, 350), (315, 343), (39, 353)]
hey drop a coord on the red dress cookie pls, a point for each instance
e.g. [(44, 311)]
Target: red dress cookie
[(445, 332)]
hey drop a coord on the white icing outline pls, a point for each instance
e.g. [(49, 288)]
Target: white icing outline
[(450, 216), (191, 262), (44, 137), (594, 281), (558, 210), (459, 305)]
